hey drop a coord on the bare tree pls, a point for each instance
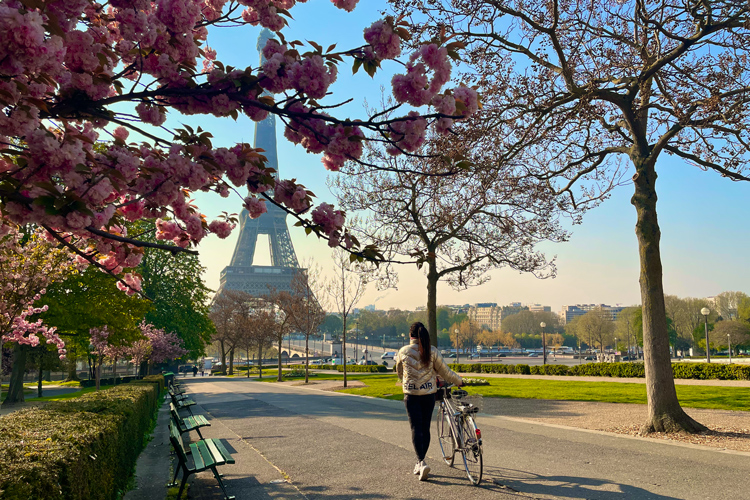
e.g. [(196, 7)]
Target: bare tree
[(727, 303), (738, 332), (457, 222), (625, 327), (281, 325), (345, 289), (222, 310), (593, 328), (612, 84), (303, 309)]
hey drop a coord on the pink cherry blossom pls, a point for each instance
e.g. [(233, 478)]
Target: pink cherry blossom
[(255, 207), (221, 228), (384, 41)]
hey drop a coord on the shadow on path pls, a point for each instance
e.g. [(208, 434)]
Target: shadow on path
[(588, 488)]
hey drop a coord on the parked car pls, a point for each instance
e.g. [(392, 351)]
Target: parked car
[(316, 362), (388, 355), (368, 362), (533, 355), (451, 355)]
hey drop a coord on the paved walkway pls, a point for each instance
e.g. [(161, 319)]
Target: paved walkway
[(300, 443)]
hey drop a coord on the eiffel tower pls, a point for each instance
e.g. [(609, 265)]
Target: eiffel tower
[(241, 273)]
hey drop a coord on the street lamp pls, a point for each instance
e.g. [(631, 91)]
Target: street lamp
[(615, 346), (367, 345), (544, 343), (705, 312), (458, 358), (729, 340), (403, 339), (357, 344)]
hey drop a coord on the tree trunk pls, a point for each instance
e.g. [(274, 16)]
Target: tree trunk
[(307, 357), (231, 362), (664, 411), (343, 348), (15, 386), (281, 343), (39, 379), (223, 358), (432, 281), (260, 360)]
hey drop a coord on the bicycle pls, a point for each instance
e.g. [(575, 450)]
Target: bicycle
[(458, 432)]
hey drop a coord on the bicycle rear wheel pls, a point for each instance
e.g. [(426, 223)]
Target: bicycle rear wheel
[(445, 436), (471, 449)]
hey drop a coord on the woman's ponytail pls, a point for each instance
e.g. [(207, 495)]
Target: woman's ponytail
[(419, 332)]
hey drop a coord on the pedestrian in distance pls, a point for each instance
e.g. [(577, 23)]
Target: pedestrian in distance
[(195, 371), (418, 365), (203, 371)]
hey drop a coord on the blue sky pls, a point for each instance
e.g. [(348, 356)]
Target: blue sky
[(705, 240)]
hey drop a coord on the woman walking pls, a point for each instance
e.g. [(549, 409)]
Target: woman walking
[(418, 365)]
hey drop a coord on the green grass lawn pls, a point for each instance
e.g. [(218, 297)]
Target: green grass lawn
[(691, 396), (62, 396)]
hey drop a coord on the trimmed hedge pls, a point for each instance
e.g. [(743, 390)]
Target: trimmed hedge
[(620, 370), (108, 381), (362, 368), (76, 449)]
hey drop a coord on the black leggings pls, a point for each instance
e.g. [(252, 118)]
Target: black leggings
[(419, 408)]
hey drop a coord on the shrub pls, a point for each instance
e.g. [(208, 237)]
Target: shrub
[(76, 449), (362, 368), (523, 369)]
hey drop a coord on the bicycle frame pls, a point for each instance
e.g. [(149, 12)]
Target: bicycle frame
[(460, 421)]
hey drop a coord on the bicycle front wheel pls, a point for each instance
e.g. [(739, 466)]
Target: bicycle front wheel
[(445, 436), (471, 449)]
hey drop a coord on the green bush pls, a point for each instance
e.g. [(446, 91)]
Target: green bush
[(108, 381), (76, 449), (362, 368), (704, 371), (620, 370), (523, 369), (549, 370)]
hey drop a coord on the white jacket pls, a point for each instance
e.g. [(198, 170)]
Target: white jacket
[(418, 379)]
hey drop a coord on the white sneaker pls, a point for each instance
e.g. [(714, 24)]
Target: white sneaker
[(417, 467), (424, 472)]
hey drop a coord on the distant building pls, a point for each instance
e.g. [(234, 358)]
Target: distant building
[(539, 308), (569, 313), (486, 315), (511, 309)]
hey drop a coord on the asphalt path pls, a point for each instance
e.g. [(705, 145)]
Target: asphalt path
[(312, 444)]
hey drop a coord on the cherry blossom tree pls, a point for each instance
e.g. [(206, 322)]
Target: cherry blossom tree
[(164, 346), (76, 73), (138, 351), (28, 264), (100, 349)]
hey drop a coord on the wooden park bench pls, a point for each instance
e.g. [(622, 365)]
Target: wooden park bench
[(181, 401), (188, 423), (206, 454)]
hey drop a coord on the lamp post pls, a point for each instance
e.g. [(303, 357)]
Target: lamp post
[(403, 339), (458, 360), (544, 343), (729, 340), (705, 312), (356, 331), (615, 346), (367, 345)]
